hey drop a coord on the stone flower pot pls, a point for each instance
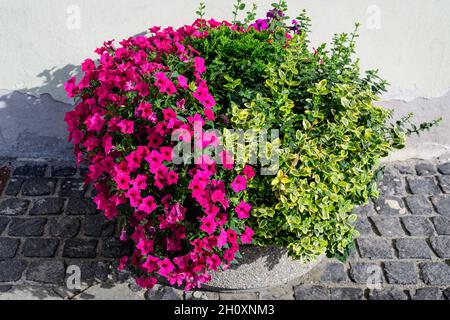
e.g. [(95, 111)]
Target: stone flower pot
[(260, 267)]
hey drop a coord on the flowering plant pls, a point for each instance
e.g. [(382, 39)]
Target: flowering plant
[(144, 119)]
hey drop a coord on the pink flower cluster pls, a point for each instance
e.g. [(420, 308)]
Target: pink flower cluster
[(131, 102)]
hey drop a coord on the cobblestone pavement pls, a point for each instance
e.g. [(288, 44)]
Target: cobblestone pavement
[(48, 225)]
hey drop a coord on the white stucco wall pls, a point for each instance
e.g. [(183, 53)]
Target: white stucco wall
[(42, 45), (408, 40)]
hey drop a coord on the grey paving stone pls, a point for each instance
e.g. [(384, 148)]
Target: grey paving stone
[(427, 294), (112, 248), (390, 205), (364, 226), (27, 227), (388, 294), (8, 247), (444, 182), (34, 187), (404, 169), (98, 226), (419, 205), (442, 225), (413, 249), (11, 269), (46, 271), (242, 296), (346, 294), (4, 221), (435, 273), (423, 185), (14, 186), (398, 272), (365, 210), (278, 293), (334, 272), (446, 293), (37, 247), (388, 226), (30, 169), (364, 273), (391, 185), (442, 204), (72, 187), (444, 168), (441, 245), (64, 227), (5, 288), (209, 295), (80, 248), (418, 226), (112, 291), (426, 169), (375, 248), (64, 170), (14, 207), (47, 206), (311, 292), (91, 270), (81, 206), (165, 293)]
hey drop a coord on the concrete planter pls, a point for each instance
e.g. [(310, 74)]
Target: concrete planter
[(260, 267)]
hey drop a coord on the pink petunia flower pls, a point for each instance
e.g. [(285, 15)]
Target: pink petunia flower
[(126, 126), (165, 267), (246, 237), (243, 210), (249, 172), (239, 184), (148, 205)]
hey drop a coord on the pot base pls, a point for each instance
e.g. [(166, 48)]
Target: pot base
[(260, 267)]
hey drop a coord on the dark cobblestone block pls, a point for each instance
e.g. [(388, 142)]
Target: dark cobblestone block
[(441, 245), (346, 294), (391, 185), (92, 269), (388, 294), (47, 206), (442, 204), (418, 226), (310, 292), (423, 185), (46, 271), (64, 170), (38, 187), (31, 170), (11, 270), (44, 248), (400, 272), (413, 249), (27, 227), (98, 226), (419, 205), (65, 227), (361, 271), (8, 247), (80, 248), (3, 224), (427, 294), (388, 226), (444, 182), (425, 169), (446, 293), (81, 206), (366, 210), (14, 207), (442, 225), (14, 186), (112, 248), (444, 168), (167, 293), (364, 226), (390, 206), (404, 169), (72, 188), (5, 288), (334, 272), (375, 248), (435, 273)]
